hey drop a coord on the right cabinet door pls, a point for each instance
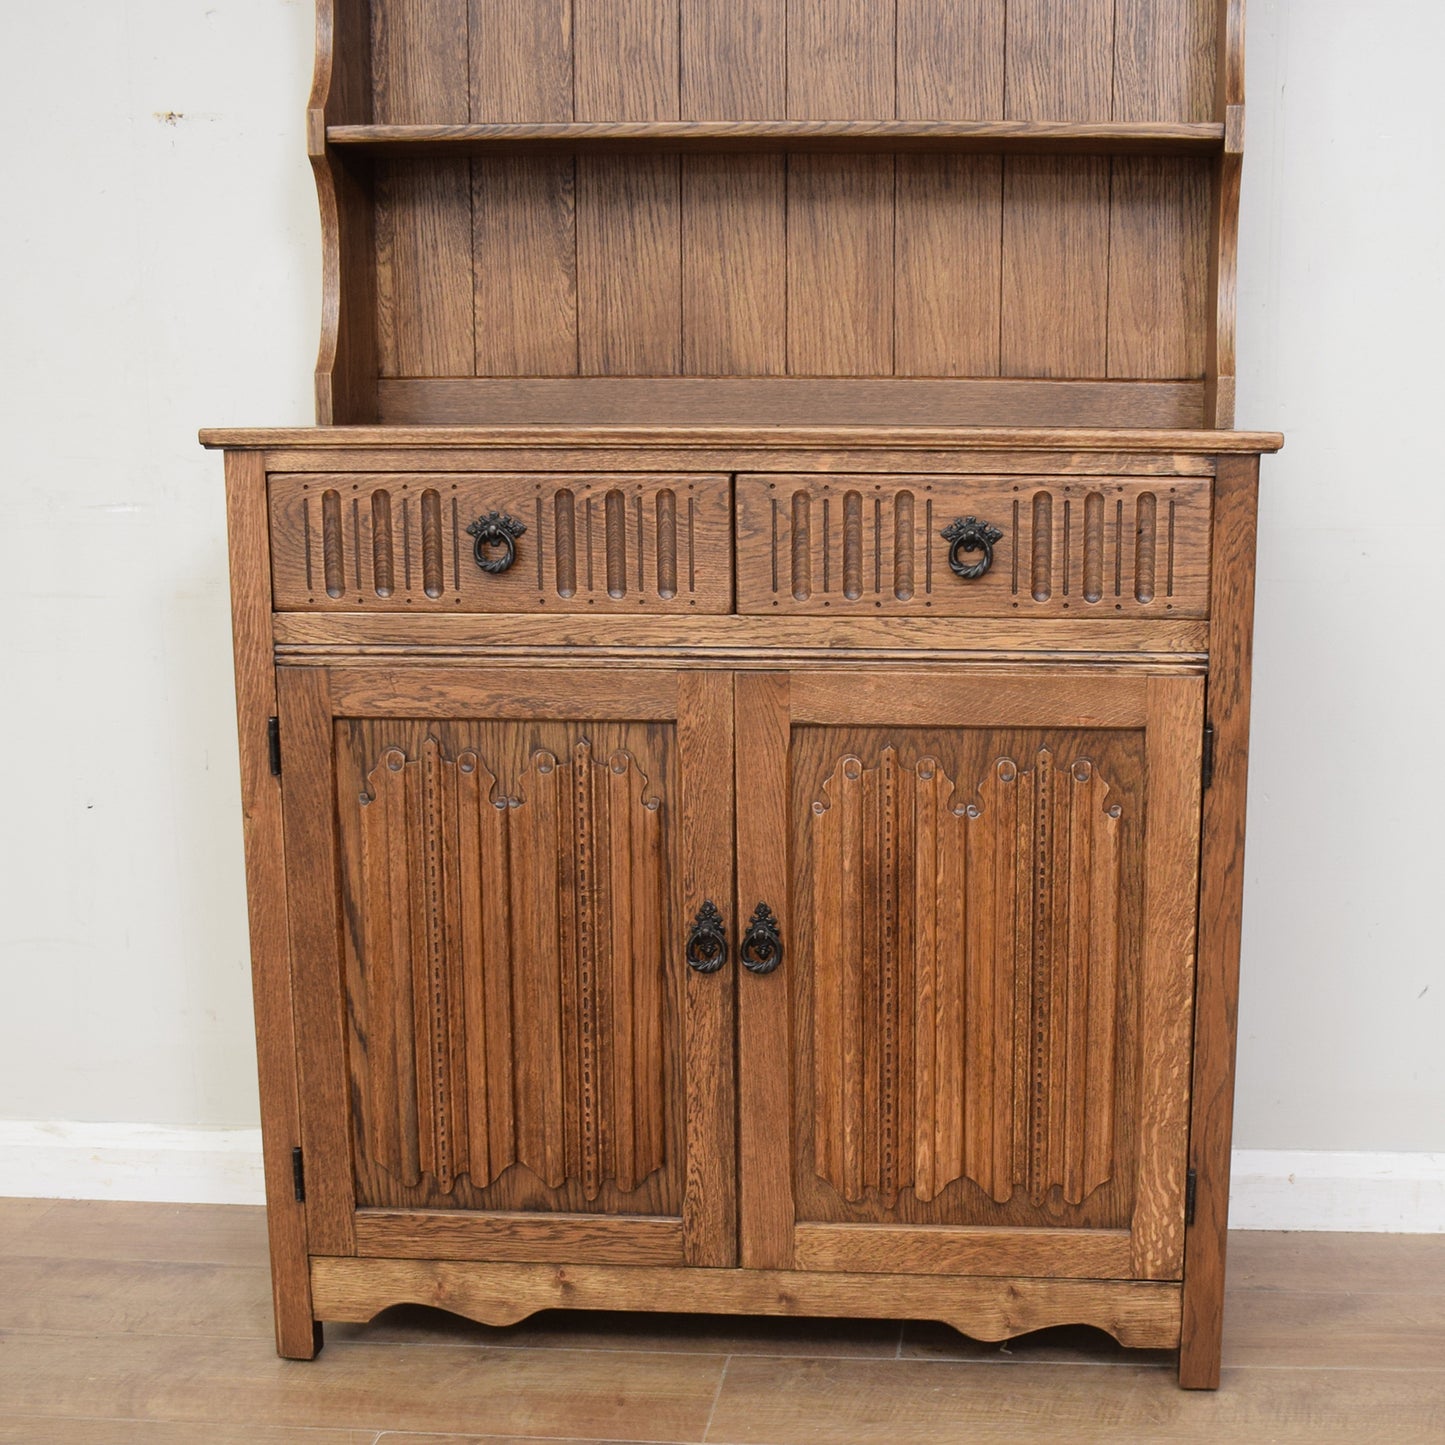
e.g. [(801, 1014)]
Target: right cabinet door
[(974, 1055)]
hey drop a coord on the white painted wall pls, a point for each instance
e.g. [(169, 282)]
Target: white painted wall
[(160, 273)]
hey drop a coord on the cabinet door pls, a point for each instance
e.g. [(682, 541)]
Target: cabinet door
[(492, 872), (975, 1055)]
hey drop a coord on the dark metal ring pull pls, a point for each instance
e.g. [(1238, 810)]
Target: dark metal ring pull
[(495, 530), (762, 949), (968, 534), (707, 943)]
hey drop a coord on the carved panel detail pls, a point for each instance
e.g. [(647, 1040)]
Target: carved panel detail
[(510, 952), (965, 979)]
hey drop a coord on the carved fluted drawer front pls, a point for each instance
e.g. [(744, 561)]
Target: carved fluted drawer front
[(974, 546), (502, 542)]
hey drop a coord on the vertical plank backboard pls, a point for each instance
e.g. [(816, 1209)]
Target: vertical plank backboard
[(629, 265), (1164, 60), (1055, 266), (841, 219), (626, 58), (950, 59), (841, 60), (525, 214), (424, 317), (419, 62), (949, 211), (734, 265), (521, 61), (733, 59), (1158, 267), (1060, 59)]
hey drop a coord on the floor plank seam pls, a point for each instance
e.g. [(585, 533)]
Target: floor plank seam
[(717, 1395)]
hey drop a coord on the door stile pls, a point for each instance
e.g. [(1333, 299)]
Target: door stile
[(765, 1054), (705, 822), (308, 791), (1173, 733)]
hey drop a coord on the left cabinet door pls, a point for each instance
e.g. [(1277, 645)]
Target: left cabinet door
[(493, 873)]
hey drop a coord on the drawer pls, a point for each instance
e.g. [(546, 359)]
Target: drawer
[(576, 542), (1091, 546)]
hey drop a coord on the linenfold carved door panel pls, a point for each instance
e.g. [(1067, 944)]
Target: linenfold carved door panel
[(984, 1008), (515, 1022)]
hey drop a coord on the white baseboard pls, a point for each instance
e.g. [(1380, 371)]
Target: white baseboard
[(131, 1161), (1273, 1189)]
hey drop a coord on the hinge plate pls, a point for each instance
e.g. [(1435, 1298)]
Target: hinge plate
[(1206, 766), (273, 745), (298, 1174), (1191, 1194)]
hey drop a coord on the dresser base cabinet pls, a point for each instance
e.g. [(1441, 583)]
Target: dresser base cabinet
[(857, 938)]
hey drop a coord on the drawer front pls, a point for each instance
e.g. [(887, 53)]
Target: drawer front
[(599, 542), (1094, 546)]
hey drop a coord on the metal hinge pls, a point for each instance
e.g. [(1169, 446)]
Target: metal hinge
[(273, 744), (298, 1174), (1191, 1194), (1207, 761)]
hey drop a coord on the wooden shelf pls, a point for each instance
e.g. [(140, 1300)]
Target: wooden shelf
[(1083, 137)]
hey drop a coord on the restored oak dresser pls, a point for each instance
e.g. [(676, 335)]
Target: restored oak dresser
[(744, 695)]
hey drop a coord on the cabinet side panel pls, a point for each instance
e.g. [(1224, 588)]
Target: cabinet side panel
[(950, 59), (1221, 901), (266, 900), (521, 61), (733, 59)]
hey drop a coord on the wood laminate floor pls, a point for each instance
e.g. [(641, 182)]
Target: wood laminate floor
[(151, 1323)]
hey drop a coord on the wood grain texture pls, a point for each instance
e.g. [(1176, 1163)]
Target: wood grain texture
[(949, 213), (626, 59), (734, 59), (950, 59), (840, 265), (1164, 59), (939, 1249), (1060, 59), (1221, 901), (276, 1044), (314, 913), (796, 401), (425, 324), (841, 59), (1055, 267), (765, 1133), (521, 60), (708, 813), (1140, 1314), (1158, 268), (734, 265), (629, 266), (498, 1235), (524, 214), (419, 61)]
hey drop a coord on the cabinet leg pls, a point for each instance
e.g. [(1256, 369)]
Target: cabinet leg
[(1201, 1335), (301, 1339)]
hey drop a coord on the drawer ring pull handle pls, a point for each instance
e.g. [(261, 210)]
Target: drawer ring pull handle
[(707, 941), (966, 535), (492, 531), (762, 949)]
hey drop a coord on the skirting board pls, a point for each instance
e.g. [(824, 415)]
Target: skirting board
[(1273, 1189)]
